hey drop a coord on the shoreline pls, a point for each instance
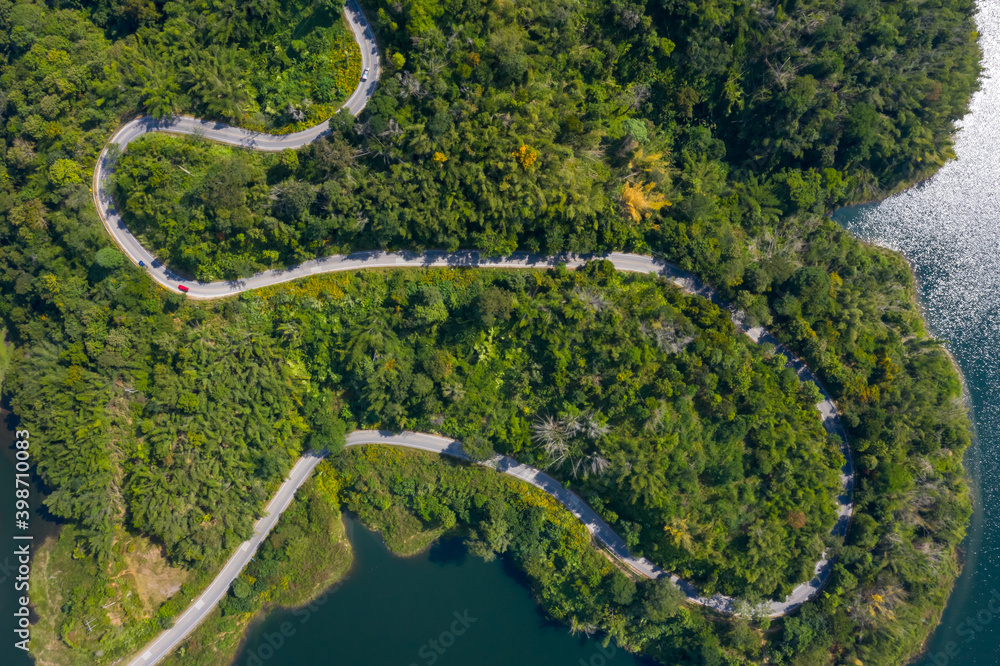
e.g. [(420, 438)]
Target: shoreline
[(969, 466), (316, 598), (325, 589), (330, 577)]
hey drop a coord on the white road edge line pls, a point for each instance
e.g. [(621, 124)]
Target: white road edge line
[(163, 644)]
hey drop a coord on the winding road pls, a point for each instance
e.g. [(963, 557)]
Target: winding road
[(207, 600)]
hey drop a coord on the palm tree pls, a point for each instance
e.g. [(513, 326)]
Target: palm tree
[(680, 535), (229, 22), (160, 95), (645, 478), (290, 332), (370, 339), (758, 196), (576, 626), (215, 78), (564, 440), (455, 391)]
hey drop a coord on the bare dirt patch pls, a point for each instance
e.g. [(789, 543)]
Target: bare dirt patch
[(154, 579)]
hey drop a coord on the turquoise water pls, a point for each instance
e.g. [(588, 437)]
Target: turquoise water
[(442, 607)]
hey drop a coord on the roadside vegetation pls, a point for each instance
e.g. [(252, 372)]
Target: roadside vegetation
[(504, 517), (72, 70), (687, 435), (84, 605), (715, 134), (413, 498), (585, 126), (697, 445), (305, 554)]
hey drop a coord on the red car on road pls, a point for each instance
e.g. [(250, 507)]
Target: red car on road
[(182, 288)]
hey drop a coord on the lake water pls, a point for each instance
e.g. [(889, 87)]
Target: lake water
[(39, 529), (385, 613), (389, 609), (949, 229)]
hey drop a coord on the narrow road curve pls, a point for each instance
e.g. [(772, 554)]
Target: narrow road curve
[(607, 537)]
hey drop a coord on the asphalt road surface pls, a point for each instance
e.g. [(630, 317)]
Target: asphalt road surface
[(203, 605), (600, 530)]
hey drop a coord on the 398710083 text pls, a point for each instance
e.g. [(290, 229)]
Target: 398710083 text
[(22, 540)]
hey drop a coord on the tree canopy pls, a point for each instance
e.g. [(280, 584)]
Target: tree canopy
[(716, 134)]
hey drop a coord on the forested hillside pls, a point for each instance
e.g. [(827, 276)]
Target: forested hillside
[(688, 435), (587, 125), (267, 65), (714, 133)]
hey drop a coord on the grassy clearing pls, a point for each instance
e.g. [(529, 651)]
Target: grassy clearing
[(402, 532), (93, 613), (47, 647)]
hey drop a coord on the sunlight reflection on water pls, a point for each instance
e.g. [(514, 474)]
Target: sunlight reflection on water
[(949, 229)]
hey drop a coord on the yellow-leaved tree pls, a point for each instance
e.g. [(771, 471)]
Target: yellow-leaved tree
[(641, 200), (649, 177), (525, 156)]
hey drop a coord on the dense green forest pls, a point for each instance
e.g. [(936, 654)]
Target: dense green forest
[(586, 126), (267, 65), (704, 450), (697, 445), (713, 133)]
